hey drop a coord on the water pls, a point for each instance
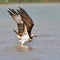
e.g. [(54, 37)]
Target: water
[(46, 46)]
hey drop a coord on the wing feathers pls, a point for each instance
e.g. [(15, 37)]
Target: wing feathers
[(16, 17), (20, 28), (10, 13), (26, 19), (23, 11), (21, 17), (13, 11)]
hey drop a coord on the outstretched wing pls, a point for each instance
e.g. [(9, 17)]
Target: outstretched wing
[(26, 19), (17, 18), (21, 17)]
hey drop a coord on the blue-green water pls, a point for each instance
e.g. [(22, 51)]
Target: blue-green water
[(46, 46)]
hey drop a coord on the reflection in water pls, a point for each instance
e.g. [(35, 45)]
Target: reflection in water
[(16, 49), (23, 48)]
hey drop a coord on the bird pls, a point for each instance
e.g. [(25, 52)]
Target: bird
[(24, 23)]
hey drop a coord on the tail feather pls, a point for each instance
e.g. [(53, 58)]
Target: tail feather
[(15, 31)]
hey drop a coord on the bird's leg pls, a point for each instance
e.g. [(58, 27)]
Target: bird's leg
[(30, 40), (33, 35)]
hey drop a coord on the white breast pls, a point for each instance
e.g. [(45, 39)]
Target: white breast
[(23, 38)]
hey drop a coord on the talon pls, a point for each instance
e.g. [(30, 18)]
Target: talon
[(30, 40)]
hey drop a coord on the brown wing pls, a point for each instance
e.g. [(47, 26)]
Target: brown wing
[(21, 17), (17, 18), (26, 19)]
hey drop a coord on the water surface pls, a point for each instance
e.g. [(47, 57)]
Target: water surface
[(46, 46)]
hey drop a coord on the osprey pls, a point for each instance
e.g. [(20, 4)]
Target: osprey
[(24, 23)]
